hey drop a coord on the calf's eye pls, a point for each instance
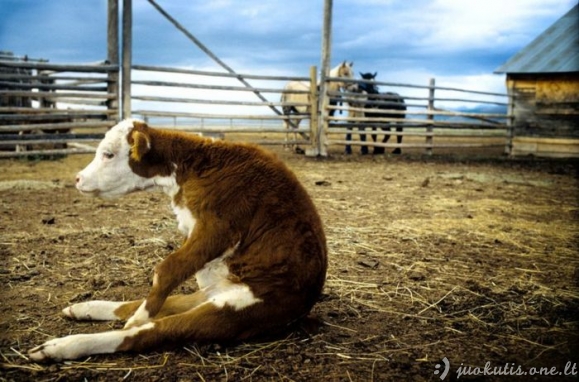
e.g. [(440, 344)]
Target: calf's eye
[(108, 155)]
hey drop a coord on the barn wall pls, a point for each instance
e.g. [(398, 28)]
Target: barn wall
[(546, 109)]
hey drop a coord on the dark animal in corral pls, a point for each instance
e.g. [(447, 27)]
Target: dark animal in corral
[(254, 242), (375, 100)]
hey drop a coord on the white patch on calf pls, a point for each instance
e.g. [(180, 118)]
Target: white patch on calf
[(213, 280), (185, 219), (79, 345), (215, 270), (140, 317), (168, 183), (236, 295)]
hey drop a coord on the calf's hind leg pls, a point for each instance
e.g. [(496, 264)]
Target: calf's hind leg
[(208, 322)]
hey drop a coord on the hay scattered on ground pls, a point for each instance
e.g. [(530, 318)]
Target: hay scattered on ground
[(476, 262)]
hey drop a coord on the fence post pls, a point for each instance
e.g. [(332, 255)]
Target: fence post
[(323, 96), (430, 117), (113, 55), (44, 79), (510, 118), (127, 57), (314, 133)]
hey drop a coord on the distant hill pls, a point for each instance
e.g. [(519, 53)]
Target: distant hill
[(477, 109)]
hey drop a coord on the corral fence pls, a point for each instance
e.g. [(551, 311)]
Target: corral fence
[(435, 117), (426, 125), (214, 103), (51, 109), (48, 108)]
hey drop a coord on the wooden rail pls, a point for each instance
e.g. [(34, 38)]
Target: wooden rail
[(89, 100), (44, 102), (234, 103), (423, 117)]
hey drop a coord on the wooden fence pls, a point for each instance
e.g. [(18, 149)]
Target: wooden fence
[(85, 98), (435, 117), (40, 104), (431, 116), (233, 108)]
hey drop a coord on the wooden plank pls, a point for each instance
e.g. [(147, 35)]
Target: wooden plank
[(217, 74), (215, 102), (215, 87), (355, 96), (25, 138), (89, 68), (40, 141), (558, 90), (24, 86), (380, 132), (16, 154), (38, 78), (414, 145), (437, 112), (56, 126), (435, 133), (48, 117), (546, 147), (178, 114), (230, 129), (401, 85), (99, 103), (420, 122), (50, 95), (548, 141), (48, 110)]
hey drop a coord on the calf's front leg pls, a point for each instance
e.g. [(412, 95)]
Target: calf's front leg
[(202, 246), (98, 310)]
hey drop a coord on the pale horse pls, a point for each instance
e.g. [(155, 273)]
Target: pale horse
[(298, 93)]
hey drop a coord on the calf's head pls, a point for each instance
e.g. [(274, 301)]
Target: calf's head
[(109, 174)]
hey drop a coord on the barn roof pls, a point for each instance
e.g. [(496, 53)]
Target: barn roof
[(556, 50)]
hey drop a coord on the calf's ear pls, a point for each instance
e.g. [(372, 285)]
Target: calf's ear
[(140, 144)]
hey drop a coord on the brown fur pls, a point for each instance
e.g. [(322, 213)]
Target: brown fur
[(239, 195)]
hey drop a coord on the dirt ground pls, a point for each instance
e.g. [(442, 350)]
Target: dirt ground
[(470, 258)]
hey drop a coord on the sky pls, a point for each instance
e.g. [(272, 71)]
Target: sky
[(458, 42)]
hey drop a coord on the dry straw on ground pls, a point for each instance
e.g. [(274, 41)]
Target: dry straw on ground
[(473, 260)]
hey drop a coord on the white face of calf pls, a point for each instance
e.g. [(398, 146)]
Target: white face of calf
[(109, 174)]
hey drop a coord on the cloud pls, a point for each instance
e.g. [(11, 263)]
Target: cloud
[(485, 23), (404, 41), (67, 31), (446, 35)]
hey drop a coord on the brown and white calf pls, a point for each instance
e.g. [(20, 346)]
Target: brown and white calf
[(254, 242)]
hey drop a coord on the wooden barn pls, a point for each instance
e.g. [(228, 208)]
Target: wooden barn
[(544, 79)]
